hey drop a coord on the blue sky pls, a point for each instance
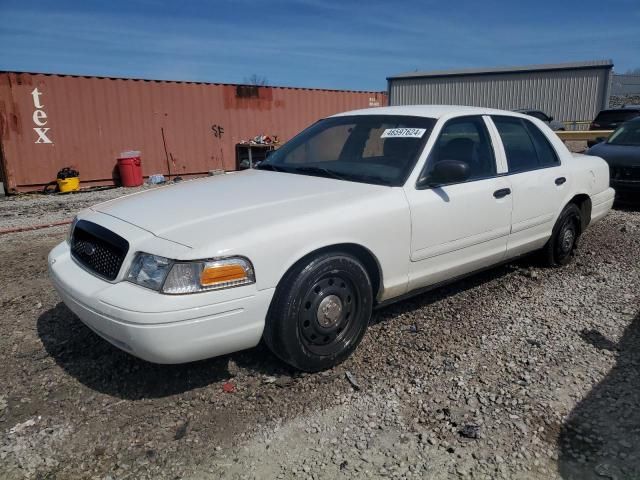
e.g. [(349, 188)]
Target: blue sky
[(311, 43)]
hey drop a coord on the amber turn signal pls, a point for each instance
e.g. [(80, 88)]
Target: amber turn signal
[(215, 273)]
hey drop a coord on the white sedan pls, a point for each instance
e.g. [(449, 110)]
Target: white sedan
[(359, 210)]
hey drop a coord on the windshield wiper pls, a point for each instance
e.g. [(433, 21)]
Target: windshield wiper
[(371, 179), (363, 177), (325, 172)]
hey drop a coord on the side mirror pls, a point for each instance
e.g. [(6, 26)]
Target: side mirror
[(445, 172)]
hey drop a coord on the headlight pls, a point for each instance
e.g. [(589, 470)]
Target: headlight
[(191, 277), (176, 277), (70, 233), (149, 270)]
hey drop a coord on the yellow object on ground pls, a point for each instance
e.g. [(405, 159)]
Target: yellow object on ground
[(69, 184), (583, 134)]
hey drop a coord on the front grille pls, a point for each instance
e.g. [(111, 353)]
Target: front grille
[(631, 173), (98, 249)]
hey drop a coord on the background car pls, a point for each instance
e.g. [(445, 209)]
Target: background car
[(622, 152), (612, 118), (540, 115)]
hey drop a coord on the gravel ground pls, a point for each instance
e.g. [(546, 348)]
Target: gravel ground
[(520, 372), (37, 209)]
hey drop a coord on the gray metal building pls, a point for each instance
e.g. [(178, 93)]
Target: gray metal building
[(568, 91)]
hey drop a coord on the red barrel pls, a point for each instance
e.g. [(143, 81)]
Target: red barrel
[(130, 168)]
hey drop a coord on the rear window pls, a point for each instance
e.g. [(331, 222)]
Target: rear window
[(616, 116)]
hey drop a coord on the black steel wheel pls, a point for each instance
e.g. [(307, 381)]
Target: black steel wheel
[(320, 311), (561, 246), (329, 313)]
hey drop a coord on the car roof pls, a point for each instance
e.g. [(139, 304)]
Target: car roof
[(626, 108), (430, 111)]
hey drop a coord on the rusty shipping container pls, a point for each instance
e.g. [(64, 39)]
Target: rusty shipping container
[(48, 122)]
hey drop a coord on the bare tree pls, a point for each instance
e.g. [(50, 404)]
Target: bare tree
[(257, 80)]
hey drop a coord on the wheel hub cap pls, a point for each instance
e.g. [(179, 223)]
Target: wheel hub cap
[(567, 240), (329, 311)]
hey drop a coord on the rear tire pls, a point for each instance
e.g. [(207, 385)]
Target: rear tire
[(560, 248), (320, 311)]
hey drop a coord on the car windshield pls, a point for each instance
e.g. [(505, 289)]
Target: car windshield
[(378, 149), (627, 134)]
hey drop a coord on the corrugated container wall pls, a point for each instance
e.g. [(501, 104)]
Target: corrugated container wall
[(566, 93), (48, 122)]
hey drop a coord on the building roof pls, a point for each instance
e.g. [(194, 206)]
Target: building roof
[(494, 70)]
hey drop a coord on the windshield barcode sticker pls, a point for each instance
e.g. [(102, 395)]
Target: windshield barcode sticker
[(403, 133)]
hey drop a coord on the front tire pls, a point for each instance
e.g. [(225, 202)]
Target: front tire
[(320, 312), (560, 248)]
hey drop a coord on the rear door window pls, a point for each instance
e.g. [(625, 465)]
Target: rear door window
[(547, 156), (518, 145), (526, 147)]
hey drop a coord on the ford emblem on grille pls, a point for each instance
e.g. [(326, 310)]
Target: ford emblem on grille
[(89, 249)]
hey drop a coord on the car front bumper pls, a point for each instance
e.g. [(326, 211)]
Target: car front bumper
[(156, 327)]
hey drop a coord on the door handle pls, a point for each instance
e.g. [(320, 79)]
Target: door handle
[(503, 192), (560, 180)]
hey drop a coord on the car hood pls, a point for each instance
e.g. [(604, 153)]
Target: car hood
[(617, 155), (196, 212)]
